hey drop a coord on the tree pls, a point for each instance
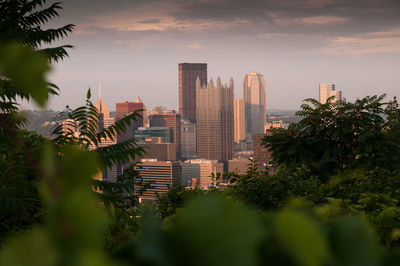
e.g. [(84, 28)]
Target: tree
[(23, 68), (337, 135), (21, 22)]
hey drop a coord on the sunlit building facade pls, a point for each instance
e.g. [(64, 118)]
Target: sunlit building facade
[(201, 170), (329, 90), (214, 113), (105, 120), (254, 94), (239, 120), (168, 118), (188, 139), (161, 174), (125, 108)]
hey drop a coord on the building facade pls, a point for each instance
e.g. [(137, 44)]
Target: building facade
[(239, 166), (163, 118), (214, 127), (188, 73), (262, 155), (188, 135), (329, 90), (254, 94), (143, 134), (239, 120), (158, 150), (275, 124), (201, 170), (125, 108), (105, 120), (161, 174)]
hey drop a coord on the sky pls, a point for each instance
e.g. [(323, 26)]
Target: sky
[(132, 48)]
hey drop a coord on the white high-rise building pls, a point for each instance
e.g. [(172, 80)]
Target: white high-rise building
[(255, 102), (329, 90)]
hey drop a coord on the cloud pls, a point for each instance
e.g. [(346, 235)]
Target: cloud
[(328, 26), (371, 43), (150, 21), (195, 46), (315, 20)]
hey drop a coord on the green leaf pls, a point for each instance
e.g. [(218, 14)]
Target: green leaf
[(353, 242), (89, 94), (301, 238), (215, 231), (26, 69), (32, 249)]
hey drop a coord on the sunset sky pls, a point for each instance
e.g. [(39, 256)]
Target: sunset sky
[(133, 48)]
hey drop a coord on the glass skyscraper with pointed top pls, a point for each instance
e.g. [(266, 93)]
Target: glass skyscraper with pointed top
[(255, 102)]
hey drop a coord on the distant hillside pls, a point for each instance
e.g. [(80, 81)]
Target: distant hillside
[(37, 121), (287, 116)]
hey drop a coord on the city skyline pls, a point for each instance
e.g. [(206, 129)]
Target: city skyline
[(297, 45)]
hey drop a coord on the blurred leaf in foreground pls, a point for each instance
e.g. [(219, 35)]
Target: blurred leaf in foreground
[(27, 70)]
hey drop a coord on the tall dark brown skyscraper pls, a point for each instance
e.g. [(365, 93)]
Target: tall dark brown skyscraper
[(188, 74), (168, 119)]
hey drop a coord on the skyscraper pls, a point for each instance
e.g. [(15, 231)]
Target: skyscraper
[(214, 113), (105, 120), (125, 108), (328, 90), (188, 74), (188, 135), (255, 102), (163, 118), (240, 120)]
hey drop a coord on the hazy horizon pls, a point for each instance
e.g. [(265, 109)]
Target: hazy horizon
[(133, 48)]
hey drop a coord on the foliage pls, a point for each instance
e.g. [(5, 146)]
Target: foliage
[(360, 179), (22, 71), (176, 197), (73, 218), (338, 135), (19, 198), (83, 126), (212, 230), (271, 192), (342, 157), (21, 22)]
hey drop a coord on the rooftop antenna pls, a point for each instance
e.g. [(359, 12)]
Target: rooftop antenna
[(99, 91)]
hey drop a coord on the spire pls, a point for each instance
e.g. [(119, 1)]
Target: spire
[(138, 100), (211, 83), (219, 82), (198, 85), (100, 105), (231, 82)]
